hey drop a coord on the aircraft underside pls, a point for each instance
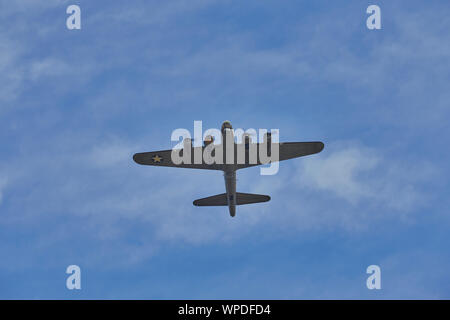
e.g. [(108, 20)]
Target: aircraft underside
[(231, 160)]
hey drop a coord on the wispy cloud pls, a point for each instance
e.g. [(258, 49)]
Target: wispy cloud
[(358, 174)]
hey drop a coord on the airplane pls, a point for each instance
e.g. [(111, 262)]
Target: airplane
[(286, 150)]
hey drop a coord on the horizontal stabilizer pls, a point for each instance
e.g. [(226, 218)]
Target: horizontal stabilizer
[(241, 198), (217, 200), (247, 198)]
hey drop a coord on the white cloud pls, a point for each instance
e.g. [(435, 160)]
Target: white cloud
[(48, 67), (111, 153), (340, 173), (363, 175), (11, 72)]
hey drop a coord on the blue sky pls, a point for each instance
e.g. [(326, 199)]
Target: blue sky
[(75, 105)]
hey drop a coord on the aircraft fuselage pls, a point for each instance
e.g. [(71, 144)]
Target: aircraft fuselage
[(229, 173)]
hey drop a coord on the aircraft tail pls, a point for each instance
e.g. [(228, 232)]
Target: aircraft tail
[(241, 198)]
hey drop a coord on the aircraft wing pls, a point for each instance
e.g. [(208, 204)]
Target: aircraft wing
[(287, 150), (163, 159), (290, 150)]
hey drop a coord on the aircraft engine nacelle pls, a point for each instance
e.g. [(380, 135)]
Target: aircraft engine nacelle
[(187, 142), (268, 138), (208, 140), (247, 139), (268, 142)]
